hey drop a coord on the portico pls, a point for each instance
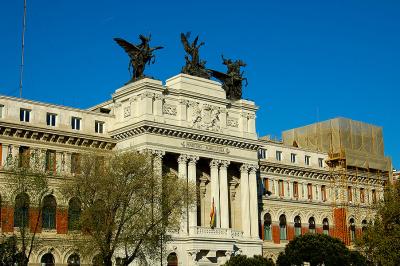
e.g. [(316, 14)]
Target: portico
[(206, 139)]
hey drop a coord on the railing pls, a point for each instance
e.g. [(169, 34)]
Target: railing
[(215, 232)]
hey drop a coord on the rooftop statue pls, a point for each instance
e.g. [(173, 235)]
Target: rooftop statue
[(194, 66), (140, 55), (231, 80)]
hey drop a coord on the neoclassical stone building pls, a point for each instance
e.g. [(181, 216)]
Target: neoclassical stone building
[(191, 128), (265, 192)]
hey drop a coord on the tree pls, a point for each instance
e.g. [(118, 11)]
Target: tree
[(241, 260), (317, 249), (380, 240), (126, 205), (27, 175), (8, 251)]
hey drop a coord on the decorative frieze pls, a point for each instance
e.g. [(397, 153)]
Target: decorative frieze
[(170, 109), (127, 111), (232, 122)]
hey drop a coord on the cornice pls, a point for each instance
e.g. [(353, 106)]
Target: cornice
[(304, 172), (183, 133), (52, 137)]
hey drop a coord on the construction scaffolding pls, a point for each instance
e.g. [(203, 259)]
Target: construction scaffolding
[(355, 155)]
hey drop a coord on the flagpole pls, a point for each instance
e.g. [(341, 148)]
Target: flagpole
[(22, 50)]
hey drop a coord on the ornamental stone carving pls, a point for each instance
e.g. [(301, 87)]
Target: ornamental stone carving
[(205, 116), (232, 122), (127, 111), (170, 109)]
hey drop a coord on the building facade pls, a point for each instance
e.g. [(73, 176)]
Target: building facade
[(264, 192)]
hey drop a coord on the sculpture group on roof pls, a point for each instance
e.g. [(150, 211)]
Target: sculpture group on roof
[(142, 55)]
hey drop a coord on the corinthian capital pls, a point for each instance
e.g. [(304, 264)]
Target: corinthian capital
[(225, 163), (193, 158), (214, 163), (183, 158), (253, 168), (244, 168)]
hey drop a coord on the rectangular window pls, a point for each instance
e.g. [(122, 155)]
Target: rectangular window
[(293, 157), (24, 115), (51, 161), (98, 126), (51, 119), (281, 188), (75, 123), (373, 196), (266, 184), (362, 195), (295, 190), (24, 157), (75, 163), (320, 162), (307, 160), (349, 194), (278, 155), (323, 193), (309, 191), (1, 110), (262, 153)]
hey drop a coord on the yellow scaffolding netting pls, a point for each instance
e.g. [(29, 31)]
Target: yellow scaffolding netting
[(361, 143)]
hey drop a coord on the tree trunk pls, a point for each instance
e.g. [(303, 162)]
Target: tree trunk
[(107, 260)]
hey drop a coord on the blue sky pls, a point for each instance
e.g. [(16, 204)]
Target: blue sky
[(307, 60)]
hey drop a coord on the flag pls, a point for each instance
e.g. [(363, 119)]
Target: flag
[(212, 215)]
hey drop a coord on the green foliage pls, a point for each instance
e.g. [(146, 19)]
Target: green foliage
[(241, 260), (9, 252), (27, 175), (381, 239), (318, 249), (127, 204)]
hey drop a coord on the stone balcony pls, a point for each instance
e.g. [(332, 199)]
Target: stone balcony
[(199, 231)]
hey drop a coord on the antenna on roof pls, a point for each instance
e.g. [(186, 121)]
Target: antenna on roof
[(22, 51)]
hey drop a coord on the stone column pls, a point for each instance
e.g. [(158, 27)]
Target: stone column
[(317, 193), (305, 191), (244, 197), (215, 190), (223, 186), (276, 192), (4, 153), (192, 178), (289, 190), (253, 201), (182, 174)]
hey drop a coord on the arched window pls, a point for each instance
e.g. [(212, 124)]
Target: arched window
[(74, 212), (297, 226), (325, 226), (21, 210), (364, 224), (47, 260), (311, 225), (172, 259), (352, 230), (49, 212), (282, 226), (74, 260), (267, 227)]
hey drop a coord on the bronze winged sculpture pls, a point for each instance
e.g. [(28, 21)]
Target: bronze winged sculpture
[(140, 55), (232, 80), (194, 66)]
